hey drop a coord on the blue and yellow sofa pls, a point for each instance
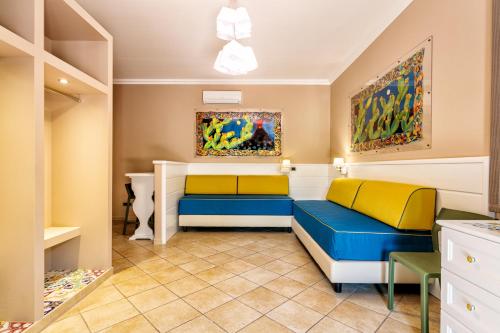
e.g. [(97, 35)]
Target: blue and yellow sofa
[(352, 232), (236, 201)]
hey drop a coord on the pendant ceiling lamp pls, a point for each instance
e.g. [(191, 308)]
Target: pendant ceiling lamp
[(234, 58), (233, 24)]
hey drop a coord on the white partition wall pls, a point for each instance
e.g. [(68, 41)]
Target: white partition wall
[(170, 178), (462, 183)]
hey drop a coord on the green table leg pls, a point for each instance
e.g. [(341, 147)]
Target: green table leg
[(424, 303), (391, 284)]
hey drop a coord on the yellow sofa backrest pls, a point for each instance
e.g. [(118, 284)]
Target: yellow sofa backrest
[(277, 185), (211, 184), (402, 206), (343, 191)]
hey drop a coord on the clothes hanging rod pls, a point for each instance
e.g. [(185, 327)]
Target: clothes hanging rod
[(74, 98)]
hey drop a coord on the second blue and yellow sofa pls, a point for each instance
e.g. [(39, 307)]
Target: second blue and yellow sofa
[(352, 232)]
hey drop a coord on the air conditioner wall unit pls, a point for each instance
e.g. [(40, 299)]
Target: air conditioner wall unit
[(221, 97)]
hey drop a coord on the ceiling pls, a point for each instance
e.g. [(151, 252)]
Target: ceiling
[(294, 40)]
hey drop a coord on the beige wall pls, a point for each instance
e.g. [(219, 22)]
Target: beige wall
[(158, 122), (461, 68)]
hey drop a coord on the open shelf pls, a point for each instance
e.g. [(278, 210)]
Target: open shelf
[(79, 82), (56, 184), (11, 45), (74, 37), (18, 17), (53, 236)]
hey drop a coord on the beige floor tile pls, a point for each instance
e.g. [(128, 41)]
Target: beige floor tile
[(241, 241), (220, 258), (297, 259), (394, 326), (136, 324), (318, 300), (233, 316), (414, 320), (139, 258), (201, 251), (371, 298), (136, 285), (328, 325), (196, 266), (152, 298), (99, 297), (325, 286), (179, 259), (257, 246), (236, 286), (258, 259), (279, 267), (262, 299), (134, 251), (214, 275), (264, 325), (109, 314), (169, 274), (410, 304), (207, 299), (121, 264), (356, 316), (200, 324), (285, 286), (308, 274), (277, 253), (238, 266), (154, 265), (240, 252), (186, 286), (222, 246), (73, 324), (296, 317), (171, 315), (126, 274), (260, 276)]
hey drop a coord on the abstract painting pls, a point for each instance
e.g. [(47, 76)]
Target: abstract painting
[(394, 111), (238, 133)]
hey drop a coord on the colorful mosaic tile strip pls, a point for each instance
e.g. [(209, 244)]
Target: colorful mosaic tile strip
[(59, 286), (13, 327)]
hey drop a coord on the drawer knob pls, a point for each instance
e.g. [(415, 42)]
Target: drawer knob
[(470, 307), (471, 259)]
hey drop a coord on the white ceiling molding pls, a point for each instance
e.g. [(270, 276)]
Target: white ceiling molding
[(286, 82)]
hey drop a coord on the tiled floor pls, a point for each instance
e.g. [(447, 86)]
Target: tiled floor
[(232, 282)]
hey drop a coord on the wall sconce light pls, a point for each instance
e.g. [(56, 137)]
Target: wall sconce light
[(286, 166), (339, 165)]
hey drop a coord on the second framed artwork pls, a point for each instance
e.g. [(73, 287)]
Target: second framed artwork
[(244, 132), (392, 112)]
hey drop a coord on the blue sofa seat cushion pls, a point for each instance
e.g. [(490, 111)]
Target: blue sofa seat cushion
[(222, 204), (345, 234)]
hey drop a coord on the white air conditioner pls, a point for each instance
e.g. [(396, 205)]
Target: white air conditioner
[(221, 97)]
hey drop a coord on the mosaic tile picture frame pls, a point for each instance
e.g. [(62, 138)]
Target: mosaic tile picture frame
[(392, 112), (246, 132)]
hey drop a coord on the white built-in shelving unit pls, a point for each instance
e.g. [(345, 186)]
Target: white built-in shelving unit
[(55, 145)]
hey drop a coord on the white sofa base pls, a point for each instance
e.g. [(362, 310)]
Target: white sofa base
[(235, 221), (351, 271)]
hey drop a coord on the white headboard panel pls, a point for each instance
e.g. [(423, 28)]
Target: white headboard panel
[(462, 183)]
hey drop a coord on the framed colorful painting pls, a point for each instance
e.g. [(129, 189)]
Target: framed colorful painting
[(238, 133), (392, 112)]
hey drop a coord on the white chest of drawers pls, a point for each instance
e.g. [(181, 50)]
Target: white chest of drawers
[(470, 278)]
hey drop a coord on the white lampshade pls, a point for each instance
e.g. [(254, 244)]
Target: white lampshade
[(233, 24), (242, 24), (235, 59), (338, 162)]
